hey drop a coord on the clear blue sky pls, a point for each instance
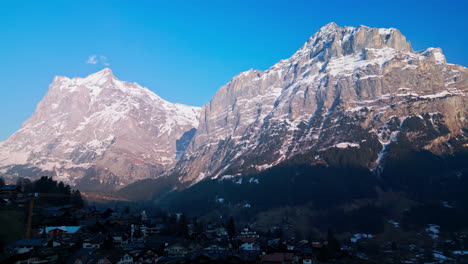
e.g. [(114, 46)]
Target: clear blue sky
[(185, 50)]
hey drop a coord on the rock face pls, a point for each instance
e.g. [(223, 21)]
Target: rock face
[(98, 130), (346, 89)]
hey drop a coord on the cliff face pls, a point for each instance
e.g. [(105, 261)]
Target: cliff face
[(344, 98), (98, 130), (360, 88)]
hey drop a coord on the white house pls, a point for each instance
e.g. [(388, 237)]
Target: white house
[(126, 259)]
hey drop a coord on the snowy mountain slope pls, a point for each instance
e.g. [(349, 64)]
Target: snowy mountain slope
[(98, 129), (346, 88)]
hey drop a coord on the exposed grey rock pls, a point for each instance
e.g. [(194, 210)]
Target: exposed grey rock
[(183, 142), (344, 87), (99, 128)]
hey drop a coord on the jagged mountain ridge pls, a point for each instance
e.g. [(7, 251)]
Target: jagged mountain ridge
[(346, 88), (100, 130)]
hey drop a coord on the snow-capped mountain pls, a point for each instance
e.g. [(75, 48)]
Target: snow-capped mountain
[(99, 129), (347, 88)]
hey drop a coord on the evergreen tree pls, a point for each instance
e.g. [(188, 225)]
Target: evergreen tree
[(282, 246), (333, 244), (108, 243), (107, 213), (61, 187), (198, 228), (76, 199), (25, 184), (183, 226), (231, 227), (44, 234), (278, 233)]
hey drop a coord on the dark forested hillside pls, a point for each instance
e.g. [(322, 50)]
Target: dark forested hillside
[(348, 198)]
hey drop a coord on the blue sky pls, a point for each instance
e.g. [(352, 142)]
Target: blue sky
[(185, 50)]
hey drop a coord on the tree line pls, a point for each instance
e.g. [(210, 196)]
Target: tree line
[(66, 195)]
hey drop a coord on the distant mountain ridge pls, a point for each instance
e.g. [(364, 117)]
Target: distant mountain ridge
[(349, 97), (96, 131)]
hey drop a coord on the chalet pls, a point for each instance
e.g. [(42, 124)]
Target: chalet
[(249, 256), (200, 258), (36, 259), (4, 201), (67, 207), (248, 243), (278, 258), (306, 254), (83, 253), (27, 245), (249, 246), (93, 216), (120, 239), (150, 256), (11, 191), (216, 247), (92, 256), (165, 240), (308, 260), (273, 242), (176, 250), (205, 256), (143, 256), (155, 243), (52, 217), (94, 242), (121, 259), (246, 232), (234, 259), (151, 230), (116, 218), (317, 245), (133, 219), (81, 259), (135, 245), (99, 259), (221, 231), (61, 231)]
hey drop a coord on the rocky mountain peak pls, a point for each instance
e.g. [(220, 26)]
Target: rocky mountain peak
[(335, 41), (93, 83), (345, 86), (99, 128), (104, 74), (101, 76)]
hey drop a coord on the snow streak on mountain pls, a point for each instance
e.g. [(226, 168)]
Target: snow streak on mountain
[(98, 130), (346, 88), (344, 98)]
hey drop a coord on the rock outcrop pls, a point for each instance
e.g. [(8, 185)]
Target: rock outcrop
[(346, 88)]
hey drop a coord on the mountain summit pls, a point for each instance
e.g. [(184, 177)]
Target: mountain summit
[(349, 97), (347, 92), (99, 130)]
